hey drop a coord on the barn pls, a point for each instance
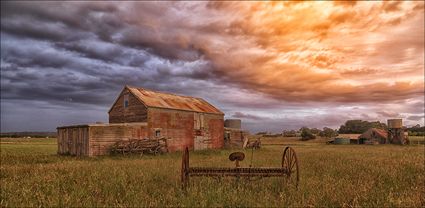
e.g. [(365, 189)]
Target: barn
[(374, 136), (140, 113)]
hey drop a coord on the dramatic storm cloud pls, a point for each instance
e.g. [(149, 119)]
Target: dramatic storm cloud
[(276, 65)]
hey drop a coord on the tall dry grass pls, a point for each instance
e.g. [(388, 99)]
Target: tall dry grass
[(345, 175)]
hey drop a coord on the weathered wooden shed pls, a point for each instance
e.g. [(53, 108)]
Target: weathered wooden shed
[(182, 120), (95, 139)]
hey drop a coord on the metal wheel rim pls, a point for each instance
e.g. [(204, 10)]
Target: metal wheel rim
[(290, 163)]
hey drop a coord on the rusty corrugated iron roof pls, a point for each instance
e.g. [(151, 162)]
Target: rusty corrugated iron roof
[(374, 132), (171, 101)]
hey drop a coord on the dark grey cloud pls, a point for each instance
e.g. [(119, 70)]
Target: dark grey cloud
[(415, 107), (92, 51), (294, 123), (388, 114), (416, 118), (73, 17), (137, 27), (247, 116), (73, 51), (30, 115)]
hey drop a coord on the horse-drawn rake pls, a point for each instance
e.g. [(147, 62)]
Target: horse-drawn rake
[(288, 171)]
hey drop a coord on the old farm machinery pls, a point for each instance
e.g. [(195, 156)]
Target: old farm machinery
[(288, 171)]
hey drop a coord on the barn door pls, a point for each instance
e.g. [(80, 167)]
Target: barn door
[(198, 143), (199, 126)]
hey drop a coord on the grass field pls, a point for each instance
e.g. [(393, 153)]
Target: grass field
[(331, 175)]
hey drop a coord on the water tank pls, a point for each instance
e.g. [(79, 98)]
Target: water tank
[(233, 123), (395, 123), (341, 141)]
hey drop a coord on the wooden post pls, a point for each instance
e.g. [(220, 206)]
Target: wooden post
[(185, 168)]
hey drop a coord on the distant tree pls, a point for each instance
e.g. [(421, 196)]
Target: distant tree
[(328, 132), (306, 134), (359, 126), (289, 133), (315, 131), (416, 130), (377, 125)]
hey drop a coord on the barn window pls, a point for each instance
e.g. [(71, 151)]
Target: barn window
[(157, 133), (125, 101)]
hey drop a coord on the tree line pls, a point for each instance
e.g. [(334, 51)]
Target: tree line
[(416, 130), (349, 127)]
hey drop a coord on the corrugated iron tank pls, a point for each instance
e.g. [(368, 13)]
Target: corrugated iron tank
[(233, 123), (395, 123), (341, 141), (396, 132)]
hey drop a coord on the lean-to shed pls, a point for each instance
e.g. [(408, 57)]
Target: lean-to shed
[(95, 139)]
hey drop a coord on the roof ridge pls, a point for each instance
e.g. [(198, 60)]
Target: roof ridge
[(172, 101), (161, 92)]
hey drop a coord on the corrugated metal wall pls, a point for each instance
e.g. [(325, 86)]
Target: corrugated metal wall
[(184, 128)]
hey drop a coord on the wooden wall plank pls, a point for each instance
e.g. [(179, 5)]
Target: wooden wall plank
[(135, 112), (97, 140)]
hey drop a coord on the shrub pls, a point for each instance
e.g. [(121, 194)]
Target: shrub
[(306, 134), (328, 132)]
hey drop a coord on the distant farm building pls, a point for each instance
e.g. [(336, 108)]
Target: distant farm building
[(234, 136), (339, 140), (374, 136), (138, 113), (353, 138), (396, 132)]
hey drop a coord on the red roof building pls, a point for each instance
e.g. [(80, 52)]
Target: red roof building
[(184, 120), (139, 113), (374, 135)]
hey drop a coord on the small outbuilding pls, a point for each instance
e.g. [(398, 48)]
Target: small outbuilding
[(339, 140), (374, 136), (234, 136)]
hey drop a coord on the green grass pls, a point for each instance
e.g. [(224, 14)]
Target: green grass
[(331, 175)]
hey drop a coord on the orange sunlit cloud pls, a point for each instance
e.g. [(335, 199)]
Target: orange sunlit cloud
[(366, 51)]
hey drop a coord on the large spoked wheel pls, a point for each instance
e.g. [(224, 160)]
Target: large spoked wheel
[(185, 168), (290, 164)]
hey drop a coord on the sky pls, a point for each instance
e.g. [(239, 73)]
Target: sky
[(275, 65)]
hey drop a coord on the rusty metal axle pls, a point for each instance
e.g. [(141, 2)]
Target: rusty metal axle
[(242, 172)]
